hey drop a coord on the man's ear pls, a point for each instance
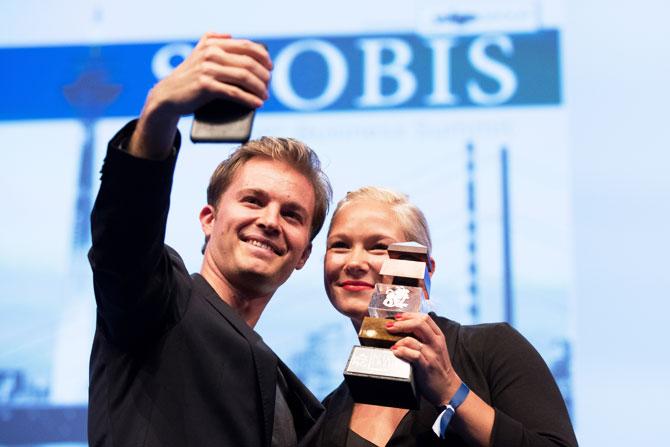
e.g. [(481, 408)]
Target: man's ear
[(207, 217), (304, 257), (432, 266)]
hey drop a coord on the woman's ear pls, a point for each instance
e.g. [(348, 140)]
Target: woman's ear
[(432, 266)]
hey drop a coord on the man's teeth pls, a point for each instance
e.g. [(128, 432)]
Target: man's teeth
[(260, 244)]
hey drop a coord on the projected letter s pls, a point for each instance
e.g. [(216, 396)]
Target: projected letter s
[(499, 72)]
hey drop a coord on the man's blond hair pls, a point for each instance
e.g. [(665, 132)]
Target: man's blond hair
[(293, 152)]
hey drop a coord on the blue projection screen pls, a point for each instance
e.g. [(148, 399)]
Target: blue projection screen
[(462, 109)]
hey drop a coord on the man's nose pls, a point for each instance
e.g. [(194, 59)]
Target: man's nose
[(269, 218)]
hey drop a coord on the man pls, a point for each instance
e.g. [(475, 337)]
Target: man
[(175, 360)]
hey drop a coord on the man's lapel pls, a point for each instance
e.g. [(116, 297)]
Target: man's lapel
[(266, 373), (306, 408), (265, 360)]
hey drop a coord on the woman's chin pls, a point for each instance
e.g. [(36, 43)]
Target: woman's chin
[(356, 317), (352, 308)]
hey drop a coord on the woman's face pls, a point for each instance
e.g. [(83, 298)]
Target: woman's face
[(355, 250)]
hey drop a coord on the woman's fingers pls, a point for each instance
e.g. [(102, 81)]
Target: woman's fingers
[(420, 325), (433, 325), (409, 349), (427, 351)]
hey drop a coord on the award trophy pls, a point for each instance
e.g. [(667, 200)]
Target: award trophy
[(373, 373)]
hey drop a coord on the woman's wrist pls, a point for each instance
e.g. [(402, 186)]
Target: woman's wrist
[(453, 383)]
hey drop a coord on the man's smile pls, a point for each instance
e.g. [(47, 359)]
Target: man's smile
[(264, 244)]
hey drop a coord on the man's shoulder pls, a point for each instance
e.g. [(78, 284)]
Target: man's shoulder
[(175, 259)]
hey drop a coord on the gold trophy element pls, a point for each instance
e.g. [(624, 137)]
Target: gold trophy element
[(373, 373)]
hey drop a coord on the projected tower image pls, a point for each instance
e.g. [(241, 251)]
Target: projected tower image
[(90, 94)]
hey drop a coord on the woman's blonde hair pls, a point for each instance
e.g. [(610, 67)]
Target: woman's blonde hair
[(412, 220)]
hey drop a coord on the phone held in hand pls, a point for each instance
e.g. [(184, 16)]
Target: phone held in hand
[(222, 121)]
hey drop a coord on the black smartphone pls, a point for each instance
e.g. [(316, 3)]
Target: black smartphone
[(222, 121)]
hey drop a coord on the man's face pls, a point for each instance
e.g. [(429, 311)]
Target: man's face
[(260, 230)]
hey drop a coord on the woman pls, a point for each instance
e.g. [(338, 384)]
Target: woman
[(509, 397)]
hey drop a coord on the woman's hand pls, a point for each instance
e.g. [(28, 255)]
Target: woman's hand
[(426, 349)]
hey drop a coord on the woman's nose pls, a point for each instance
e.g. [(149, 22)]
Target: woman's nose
[(357, 262)]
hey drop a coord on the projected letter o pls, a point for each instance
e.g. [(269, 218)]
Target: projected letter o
[(337, 75), (161, 64)]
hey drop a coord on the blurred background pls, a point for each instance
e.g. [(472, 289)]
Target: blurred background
[(532, 133)]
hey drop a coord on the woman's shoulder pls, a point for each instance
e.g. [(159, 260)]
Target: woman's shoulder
[(481, 333), (488, 342)]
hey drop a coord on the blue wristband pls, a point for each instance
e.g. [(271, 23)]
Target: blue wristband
[(448, 411)]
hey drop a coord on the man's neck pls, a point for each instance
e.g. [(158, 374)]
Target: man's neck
[(246, 304)]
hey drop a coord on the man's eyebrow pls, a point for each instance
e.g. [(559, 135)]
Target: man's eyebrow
[(295, 206), (291, 205), (252, 191)]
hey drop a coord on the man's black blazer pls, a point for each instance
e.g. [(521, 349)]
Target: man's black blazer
[(172, 364)]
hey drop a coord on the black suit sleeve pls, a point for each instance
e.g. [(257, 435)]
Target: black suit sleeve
[(134, 273), (529, 408)]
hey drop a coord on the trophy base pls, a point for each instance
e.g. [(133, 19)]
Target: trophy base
[(373, 333), (375, 376)]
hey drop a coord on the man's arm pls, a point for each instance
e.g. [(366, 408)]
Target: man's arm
[(135, 276), (132, 274)]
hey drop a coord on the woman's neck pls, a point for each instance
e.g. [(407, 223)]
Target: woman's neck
[(374, 423)]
